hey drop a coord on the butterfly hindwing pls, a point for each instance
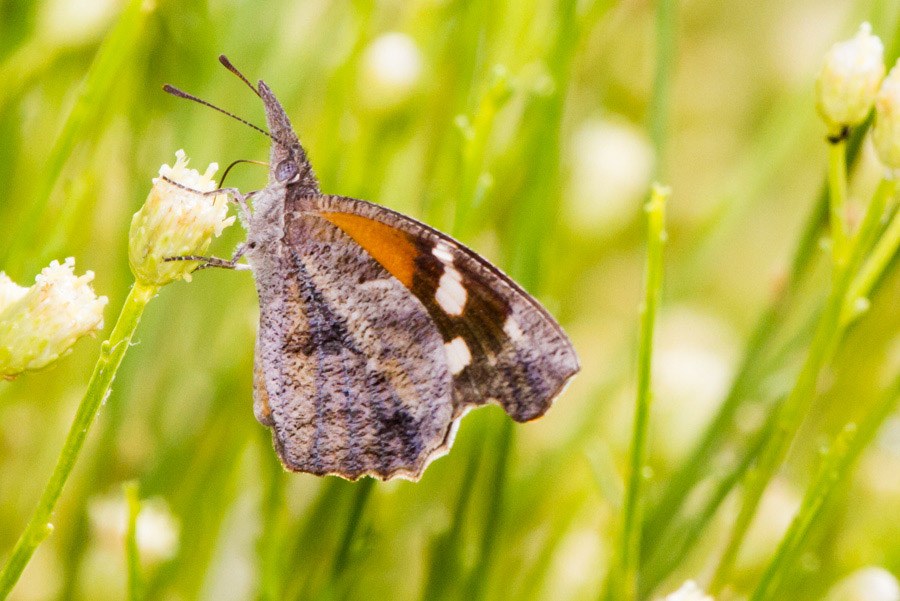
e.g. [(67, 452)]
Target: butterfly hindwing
[(501, 346), (352, 376)]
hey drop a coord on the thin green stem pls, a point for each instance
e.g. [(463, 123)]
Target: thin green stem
[(837, 193), (494, 515), (111, 353), (752, 368), (662, 79), (625, 583), (132, 557), (835, 468), (847, 254), (878, 261), (474, 181)]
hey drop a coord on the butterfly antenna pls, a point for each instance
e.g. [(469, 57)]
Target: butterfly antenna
[(181, 94), (227, 64)]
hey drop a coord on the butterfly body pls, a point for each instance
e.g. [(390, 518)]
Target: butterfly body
[(377, 332)]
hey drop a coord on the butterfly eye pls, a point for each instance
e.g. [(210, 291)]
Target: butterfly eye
[(286, 170)]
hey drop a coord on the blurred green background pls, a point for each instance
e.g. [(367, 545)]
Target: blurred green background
[(531, 129)]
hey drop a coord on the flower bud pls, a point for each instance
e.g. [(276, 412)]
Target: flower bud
[(886, 130), (176, 220), (40, 324), (849, 79)]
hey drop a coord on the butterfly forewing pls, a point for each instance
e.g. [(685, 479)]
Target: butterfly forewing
[(501, 346)]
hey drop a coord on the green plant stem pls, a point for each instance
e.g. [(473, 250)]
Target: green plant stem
[(486, 558), (837, 193), (846, 255), (132, 557), (472, 183), (698, 462), (625, 583), (658, 121), (835, 468), (877, 263), (111, 353)]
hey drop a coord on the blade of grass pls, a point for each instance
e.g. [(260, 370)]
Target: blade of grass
[(103, 74), (835, 469), (270, 542), (337, 579), (446, 556), (132, 558), (658, 121), (623, 581), (478, 578), (845, 255), (697, 462)]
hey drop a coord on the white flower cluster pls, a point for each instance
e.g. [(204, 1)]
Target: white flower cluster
[(851, 82), (177, 220), (41, 323)]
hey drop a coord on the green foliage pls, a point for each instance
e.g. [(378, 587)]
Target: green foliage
[(529, 131)]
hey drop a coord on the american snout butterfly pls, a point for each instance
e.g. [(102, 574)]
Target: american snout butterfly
[(377, 332)]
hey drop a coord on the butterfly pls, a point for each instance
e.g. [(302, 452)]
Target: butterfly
[(377, 333)]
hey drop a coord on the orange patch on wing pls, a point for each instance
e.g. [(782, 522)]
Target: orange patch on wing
[(387, 245)]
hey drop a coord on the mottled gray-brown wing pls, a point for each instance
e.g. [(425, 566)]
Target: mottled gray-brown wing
[(502, 345), (351, 371)]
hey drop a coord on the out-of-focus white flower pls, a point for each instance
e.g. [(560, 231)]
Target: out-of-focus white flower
[(849, 79), (776, 512), (580, 550), (72, 22), (157, 531), (866, 584), (176, 221), (689, 591), (886, 130), (391, 70), (692, 369), (40, 324), (612, 162)]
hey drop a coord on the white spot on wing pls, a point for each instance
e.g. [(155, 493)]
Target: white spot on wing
[(458, 355), (443, 253), (451, 295), (512, 329)]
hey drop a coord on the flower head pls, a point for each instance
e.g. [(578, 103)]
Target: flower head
[(886, 130), (849, 79), (177, 220), (40, 324)]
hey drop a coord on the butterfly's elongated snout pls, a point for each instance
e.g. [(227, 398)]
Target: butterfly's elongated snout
[(287, 147)]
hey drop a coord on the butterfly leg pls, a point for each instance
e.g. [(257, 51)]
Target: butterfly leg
[(234, 195), (237, 197), (208, 262)]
